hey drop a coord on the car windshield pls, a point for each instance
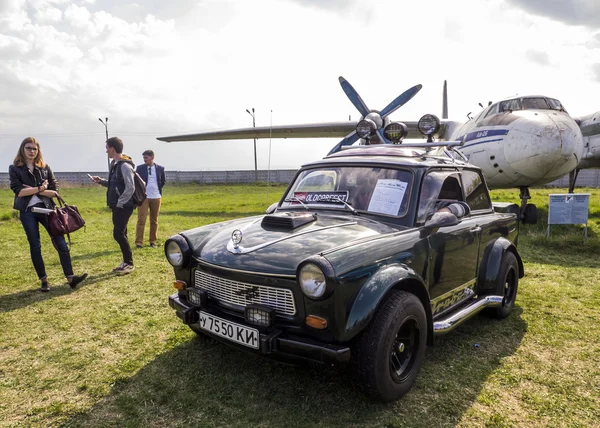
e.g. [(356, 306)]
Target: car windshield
[(368, 189)]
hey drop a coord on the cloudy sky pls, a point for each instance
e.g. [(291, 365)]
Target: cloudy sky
[(158, 68)]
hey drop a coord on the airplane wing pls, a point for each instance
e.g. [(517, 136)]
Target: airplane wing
[(310, 130)]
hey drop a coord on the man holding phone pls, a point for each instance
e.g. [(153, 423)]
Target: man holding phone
[(154, 177), (119, 197)]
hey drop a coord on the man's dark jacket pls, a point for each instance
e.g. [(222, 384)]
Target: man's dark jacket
[(21, 176), (142, 170)]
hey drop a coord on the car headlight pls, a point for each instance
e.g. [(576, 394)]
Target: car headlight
[(312, 281), (395, 131), (177, 251)]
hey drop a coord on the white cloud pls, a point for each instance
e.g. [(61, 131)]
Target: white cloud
[(156, 68)]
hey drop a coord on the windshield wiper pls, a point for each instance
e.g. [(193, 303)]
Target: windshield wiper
[(350, 207), (295, 199)]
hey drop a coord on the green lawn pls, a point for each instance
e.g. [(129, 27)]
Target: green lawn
[(112, 353)]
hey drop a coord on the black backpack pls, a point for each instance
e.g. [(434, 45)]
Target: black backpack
[(139, 192)]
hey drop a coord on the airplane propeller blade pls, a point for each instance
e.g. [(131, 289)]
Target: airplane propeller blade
[(350, 139), (400, 101), (354, 97)]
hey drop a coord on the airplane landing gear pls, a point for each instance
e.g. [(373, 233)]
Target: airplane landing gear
[(572, 179), (528, 211)]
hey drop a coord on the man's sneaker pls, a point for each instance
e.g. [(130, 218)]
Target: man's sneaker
[(45, 287), (138, 245), (127, 268), (153, 245), (118, 268), (77, 279)]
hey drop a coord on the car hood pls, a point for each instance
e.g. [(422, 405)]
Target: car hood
[(265, 248)]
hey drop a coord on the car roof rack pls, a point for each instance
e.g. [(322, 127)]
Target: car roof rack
[(449, 152)]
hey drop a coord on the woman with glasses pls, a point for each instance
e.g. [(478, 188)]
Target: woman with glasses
[(34, 185)]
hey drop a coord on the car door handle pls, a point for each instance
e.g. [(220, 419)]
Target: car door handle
[(476, 229)]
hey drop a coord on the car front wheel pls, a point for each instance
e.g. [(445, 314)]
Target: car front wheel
[(507, 285), (389, 353)]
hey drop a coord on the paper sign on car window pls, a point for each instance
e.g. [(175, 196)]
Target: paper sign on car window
[(388, 196), (322, 197)]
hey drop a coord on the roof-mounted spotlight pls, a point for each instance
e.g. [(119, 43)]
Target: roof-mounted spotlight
[(395, 132), (429, 125), (366, 128)]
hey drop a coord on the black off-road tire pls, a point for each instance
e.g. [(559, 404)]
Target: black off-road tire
[(531, 214), (388, 355), (507, 285)]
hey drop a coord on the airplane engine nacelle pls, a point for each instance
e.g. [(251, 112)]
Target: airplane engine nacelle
[(590, 130)]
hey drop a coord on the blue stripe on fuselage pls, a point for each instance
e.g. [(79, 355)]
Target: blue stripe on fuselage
[(486, 133), (481, 142)]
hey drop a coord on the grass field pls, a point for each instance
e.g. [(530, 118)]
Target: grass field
[(112, 352)]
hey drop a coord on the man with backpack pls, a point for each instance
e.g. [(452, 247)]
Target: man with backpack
[(154, 176), (119, 197)]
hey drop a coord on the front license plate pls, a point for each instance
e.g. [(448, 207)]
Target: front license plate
[(229, 330)]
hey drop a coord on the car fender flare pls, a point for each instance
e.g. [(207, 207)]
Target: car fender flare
[(491, 261), (373, 292)]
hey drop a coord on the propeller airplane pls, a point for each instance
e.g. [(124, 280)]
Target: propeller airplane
[(519, 142)]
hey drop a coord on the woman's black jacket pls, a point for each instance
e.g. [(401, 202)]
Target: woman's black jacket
[(21, 176)]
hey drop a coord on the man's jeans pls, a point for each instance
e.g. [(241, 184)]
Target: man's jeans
[(31, 222), (120, 218)]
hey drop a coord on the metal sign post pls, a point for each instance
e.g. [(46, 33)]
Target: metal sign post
[(568, 208)]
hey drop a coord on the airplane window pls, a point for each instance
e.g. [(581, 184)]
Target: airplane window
[(510, 105), (535, 103), (492, 110), (476, 192), (555, 104)]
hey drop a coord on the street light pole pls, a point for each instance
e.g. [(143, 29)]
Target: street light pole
[(254, 126), (105, 123)]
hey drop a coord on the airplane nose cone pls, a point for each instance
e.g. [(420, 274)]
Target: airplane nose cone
[(544, 147)]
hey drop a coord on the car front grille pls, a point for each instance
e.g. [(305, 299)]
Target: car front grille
[(243, 294)]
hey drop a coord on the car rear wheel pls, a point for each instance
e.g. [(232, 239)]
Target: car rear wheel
[(389, 353), (507, 284)]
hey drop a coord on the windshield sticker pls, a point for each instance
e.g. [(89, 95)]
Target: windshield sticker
[(387, 196), (322, 197)]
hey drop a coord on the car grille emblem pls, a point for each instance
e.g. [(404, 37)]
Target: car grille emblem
[(249, 293)]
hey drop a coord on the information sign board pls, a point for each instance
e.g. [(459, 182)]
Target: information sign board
[(568, 208)]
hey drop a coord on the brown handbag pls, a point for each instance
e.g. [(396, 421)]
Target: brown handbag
[(64, 219)]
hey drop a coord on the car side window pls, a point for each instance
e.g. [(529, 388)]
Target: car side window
[(438, 186), (476, 192)]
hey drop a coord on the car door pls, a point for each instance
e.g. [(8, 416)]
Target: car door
[(453, 249)]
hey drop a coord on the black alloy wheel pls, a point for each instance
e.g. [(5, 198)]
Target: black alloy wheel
[(403, 352)]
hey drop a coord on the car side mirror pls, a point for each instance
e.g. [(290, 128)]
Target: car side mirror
[(272, 208), (441, 219)]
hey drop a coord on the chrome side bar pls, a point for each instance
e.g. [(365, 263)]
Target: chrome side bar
[(446, 325)]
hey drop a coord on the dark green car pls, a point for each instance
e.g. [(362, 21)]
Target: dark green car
[(364, 261)]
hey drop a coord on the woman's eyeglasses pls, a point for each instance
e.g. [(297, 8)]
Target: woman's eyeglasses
[(31, 149)]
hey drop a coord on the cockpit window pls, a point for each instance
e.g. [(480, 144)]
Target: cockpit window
[(555, 104), (371, 189), (535, 103), (510, 105), (493, 110)]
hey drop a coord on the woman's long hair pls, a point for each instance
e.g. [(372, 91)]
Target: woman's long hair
[(21, 159)]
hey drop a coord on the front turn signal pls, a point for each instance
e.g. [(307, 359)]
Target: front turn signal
[(180, 285), (316, 322)]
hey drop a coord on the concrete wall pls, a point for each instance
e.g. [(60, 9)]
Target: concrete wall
[(587, 178), (204, 177)]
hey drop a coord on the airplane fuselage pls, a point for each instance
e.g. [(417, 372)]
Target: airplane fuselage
[(520, 147)]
